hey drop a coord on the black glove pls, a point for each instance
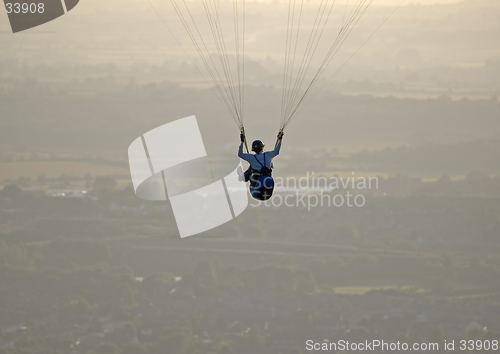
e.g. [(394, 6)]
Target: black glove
[(242, 137), (280, 135)]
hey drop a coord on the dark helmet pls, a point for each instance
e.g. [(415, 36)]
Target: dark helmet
[(258, 146)]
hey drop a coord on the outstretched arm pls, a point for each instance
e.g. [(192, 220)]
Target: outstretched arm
[(241, 154), (276, 151)]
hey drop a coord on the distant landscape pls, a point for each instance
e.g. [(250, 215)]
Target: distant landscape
[(86, 267)]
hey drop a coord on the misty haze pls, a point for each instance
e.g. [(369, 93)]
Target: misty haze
[(409, 103)]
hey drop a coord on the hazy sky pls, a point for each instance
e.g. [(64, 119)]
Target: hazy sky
[(393, 2), (423, 2)]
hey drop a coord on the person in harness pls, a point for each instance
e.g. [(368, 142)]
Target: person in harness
[(259, 173)]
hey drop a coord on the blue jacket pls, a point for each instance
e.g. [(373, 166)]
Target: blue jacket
[(252, 158)]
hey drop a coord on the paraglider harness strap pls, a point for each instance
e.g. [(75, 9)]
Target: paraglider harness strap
[(264, 171)]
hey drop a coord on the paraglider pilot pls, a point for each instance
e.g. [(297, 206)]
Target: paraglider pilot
[(260, 170)]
